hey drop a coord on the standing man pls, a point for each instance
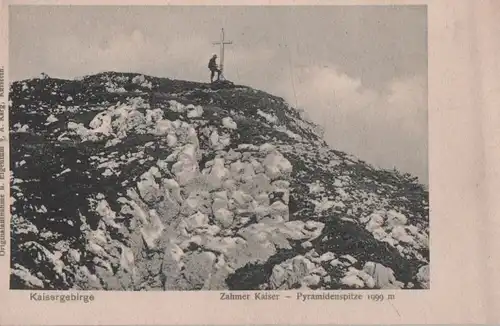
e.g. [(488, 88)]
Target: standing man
[(212, 65)]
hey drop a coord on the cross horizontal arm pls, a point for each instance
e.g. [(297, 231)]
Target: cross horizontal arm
[(217, 43)]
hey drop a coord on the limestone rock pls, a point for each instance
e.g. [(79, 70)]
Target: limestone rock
[(423, 276), (383, 276), (198, 269)]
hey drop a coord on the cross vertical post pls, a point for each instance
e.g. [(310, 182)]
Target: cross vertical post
[(222, 44)]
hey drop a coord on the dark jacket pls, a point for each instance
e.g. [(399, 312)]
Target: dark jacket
[(212, 64)]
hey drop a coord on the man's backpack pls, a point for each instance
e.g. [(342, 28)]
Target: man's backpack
[(212, 64)]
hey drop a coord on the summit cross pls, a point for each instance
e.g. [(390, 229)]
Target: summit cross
[(222, 43)]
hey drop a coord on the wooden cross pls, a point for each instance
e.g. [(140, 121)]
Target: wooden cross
[(222, 42)]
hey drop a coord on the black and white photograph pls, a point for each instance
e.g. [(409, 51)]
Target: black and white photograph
[(218, 148)]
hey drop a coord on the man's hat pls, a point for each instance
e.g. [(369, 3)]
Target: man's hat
[(214, 55)]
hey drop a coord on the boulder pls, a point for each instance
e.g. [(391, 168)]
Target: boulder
[(198, 269), (383, 276), (423, 276), (224, 217)]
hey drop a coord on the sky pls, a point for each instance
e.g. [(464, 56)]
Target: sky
[(358, 71)]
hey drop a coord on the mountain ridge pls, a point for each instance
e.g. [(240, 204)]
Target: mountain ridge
[(122, 181)]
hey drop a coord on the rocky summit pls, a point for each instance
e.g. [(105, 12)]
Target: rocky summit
[(122, 181)]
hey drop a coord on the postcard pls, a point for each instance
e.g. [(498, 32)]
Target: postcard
[(242, 163)]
